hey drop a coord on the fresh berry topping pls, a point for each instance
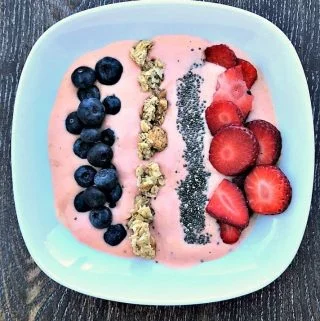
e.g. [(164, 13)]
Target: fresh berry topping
[(90, 135), (222, 113), (221, 55), (115, 234), (228, 205), (81, 148), (91, 112), (83, 77), (84, 175), (108, 137), (112, 104), (268, 190), (100, 155), (106, 179), (79, 203), (229, 234), (249, 72), (101, 218), (109, 70), (232, 87), (94, 197), (90, 92), (73, 124), (233, 150), (269, 140), (114, 195)]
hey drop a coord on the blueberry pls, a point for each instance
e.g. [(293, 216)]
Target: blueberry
[(90, 92), (80, 204), (114, 195), (90, 135), (112, 104), (73, 123), (81, 148), (100, 155), (84, 175), (94, 197), (101, 217), (108, 136), (115, 234), (83, 77), (106, 179), (91, 112), (109, 70)]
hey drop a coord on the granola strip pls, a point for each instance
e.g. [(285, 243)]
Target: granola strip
[(152, 139)]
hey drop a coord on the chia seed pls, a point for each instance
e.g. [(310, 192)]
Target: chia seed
[(192, 190)]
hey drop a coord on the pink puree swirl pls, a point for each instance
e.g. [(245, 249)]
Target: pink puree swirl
[(176, 52)]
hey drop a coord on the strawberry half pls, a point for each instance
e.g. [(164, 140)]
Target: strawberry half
[(268, 190), (221, 113), (221, 55), (233, 150), (229, 234), (228, 205), (269, 139), (249, 72), (232, 87)]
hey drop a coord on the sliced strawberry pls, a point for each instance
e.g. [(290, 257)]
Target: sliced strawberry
[(229, 234), (232, 87), (228, 205), (221, 113), (269, 139), (249, 72), (221, 55), (268, 190), (233, 150)]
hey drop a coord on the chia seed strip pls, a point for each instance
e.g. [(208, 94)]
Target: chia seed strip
[(192, 190)]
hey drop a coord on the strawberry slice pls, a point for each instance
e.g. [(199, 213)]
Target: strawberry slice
[(221, 55), (268, 190), (233, 150), (229, 234), (221, 113), (232, 87), (228, 205), (249, 72), (269, 139)]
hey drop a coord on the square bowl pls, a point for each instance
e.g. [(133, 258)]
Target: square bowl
[(273, 242)]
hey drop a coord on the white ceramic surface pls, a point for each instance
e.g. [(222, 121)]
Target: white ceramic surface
[(273, 242)]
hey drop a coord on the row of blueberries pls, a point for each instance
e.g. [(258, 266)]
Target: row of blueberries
[(101, 185)]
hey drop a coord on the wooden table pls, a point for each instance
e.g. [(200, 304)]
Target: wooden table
[(28, 294)]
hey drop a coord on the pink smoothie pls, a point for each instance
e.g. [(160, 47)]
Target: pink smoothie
[(177, 54)]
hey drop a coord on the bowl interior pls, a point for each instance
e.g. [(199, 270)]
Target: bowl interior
[(270, 247)]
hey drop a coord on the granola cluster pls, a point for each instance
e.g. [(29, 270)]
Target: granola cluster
[(152, 139), (149, 181)]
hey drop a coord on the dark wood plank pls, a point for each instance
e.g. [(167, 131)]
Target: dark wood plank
[(27, 294)]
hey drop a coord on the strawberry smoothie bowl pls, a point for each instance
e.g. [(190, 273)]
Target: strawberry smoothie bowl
[(166, 155)]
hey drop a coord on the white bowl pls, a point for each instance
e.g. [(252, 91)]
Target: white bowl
[(273, 242)]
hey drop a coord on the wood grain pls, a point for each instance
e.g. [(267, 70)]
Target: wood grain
[(27, 294)]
